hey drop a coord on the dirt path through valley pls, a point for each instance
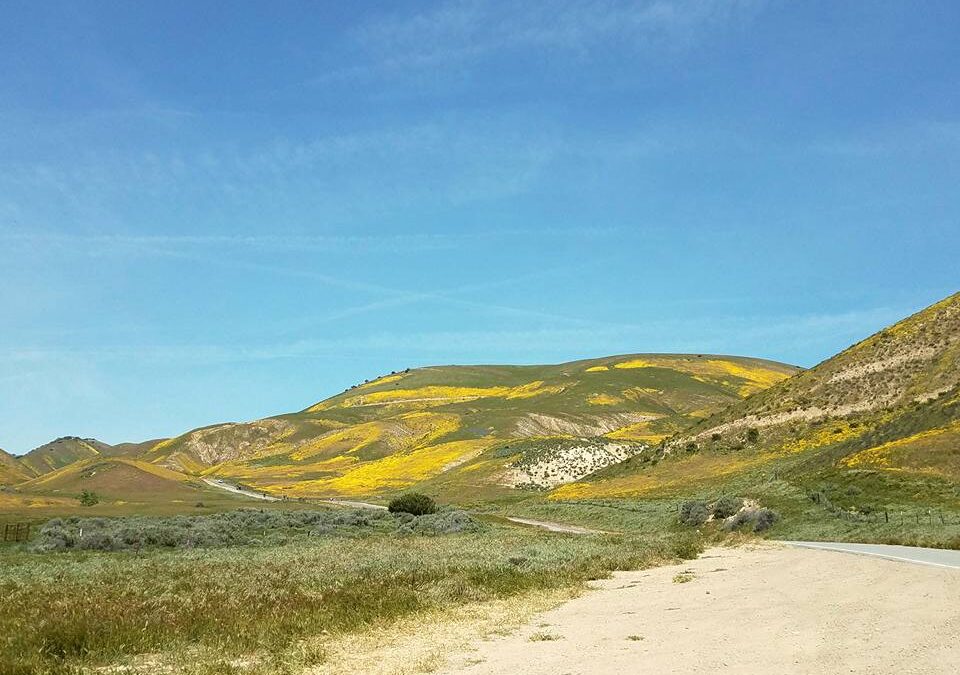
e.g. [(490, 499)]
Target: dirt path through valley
[(770, 609), (553, 527), (214, 482)]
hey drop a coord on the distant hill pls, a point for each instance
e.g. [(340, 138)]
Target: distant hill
[(117, 478), (472, 431), (61, 452), (885, 410)]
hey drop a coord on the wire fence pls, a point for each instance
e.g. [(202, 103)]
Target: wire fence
[(16, 532)]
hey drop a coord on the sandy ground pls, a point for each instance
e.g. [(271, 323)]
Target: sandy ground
[(753, 611)]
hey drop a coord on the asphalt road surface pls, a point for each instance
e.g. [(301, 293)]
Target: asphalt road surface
[(934, 557)]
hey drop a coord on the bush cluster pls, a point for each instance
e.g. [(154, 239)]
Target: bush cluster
[(248, 526), (756, 519), (730, 510), (727, 506), (694, 513), (414, 503)]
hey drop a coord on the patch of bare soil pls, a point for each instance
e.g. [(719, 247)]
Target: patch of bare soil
[(748, 611)]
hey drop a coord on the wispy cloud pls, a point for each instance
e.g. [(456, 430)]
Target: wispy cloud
[(826, 333), (325, 180), (462, 31), (163, 244)]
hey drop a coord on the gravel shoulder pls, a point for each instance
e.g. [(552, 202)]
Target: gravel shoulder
[(760, 610)]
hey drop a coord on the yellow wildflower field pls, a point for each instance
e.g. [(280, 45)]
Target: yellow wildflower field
[(603, 399), (756, 378), (883, 456), (443, 393), (399, 470), (827, 435)]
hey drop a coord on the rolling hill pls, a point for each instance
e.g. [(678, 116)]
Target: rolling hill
[(472, 431), (61, 452), (880, 418), (117, 478)]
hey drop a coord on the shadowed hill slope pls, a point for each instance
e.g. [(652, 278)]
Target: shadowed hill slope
[(473, 431), (886, 409)]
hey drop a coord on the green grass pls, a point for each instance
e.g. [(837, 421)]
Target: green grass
[(67, 610)]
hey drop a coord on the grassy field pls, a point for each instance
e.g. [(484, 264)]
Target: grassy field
[(271, 602)]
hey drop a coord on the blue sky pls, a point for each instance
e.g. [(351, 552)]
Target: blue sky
[(221, 211)]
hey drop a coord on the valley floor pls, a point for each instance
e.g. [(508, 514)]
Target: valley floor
[(743, 610)]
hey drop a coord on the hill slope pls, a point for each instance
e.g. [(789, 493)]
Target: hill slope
[(11, 471), (886, 410), (472, 430), (116, 478), (61, 452)]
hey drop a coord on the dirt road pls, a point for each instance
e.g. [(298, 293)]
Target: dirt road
[(774, 609), (213, 482), (553, 527)]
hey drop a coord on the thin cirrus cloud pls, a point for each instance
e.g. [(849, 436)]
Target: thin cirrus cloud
[(368, 174), (723, 335), (465, 31), (359, 243)]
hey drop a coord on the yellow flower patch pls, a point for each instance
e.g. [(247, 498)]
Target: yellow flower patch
[(597, 369), (347, 441), (604, 399), (881, 455), (448, 394), (637, 363), (756, 377), (821, 437), (399, 470), (640, 432)]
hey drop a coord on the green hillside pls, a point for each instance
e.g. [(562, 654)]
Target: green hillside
[(11, 471), (876, 426), (472, 431), (60, 453)]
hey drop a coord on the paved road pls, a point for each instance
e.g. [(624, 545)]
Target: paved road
[(935, 557), (239, 491)]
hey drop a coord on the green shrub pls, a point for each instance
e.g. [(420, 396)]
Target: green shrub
[(753, 435), (413, 503), (693, 513), (88, 498), (758, 520), (726, 507), (765, 519), (444, 522)]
